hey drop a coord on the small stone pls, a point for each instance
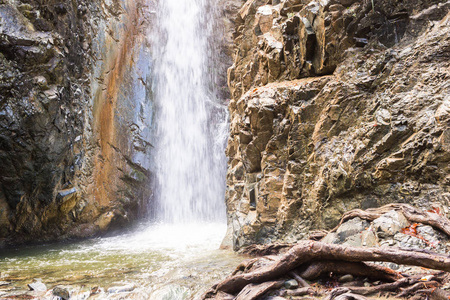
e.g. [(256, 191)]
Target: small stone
[(291, 284), (61, 292), (367, 284), (346, 278), (37, 286), (121, 289), (394, 266)]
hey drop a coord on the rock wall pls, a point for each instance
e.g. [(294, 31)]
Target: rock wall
[(74, 106), (336, 104)]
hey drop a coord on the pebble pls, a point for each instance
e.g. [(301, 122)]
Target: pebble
[(394, 266), (291, 284), (346, 278), (61, 292)]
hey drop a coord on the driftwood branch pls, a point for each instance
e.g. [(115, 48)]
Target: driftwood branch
[(254, 291), (319, 268), (411, 213), (309, 260), (307, 251)]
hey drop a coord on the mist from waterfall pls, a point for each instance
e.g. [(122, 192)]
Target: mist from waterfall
[(190, 122)]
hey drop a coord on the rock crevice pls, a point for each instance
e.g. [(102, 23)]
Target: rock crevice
[(335, 106), (72, 164)]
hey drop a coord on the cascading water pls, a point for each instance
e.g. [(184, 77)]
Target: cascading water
[(172, 259), (189, 158)]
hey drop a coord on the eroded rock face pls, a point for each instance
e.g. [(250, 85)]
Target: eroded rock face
[(337, 105), (72, 135)]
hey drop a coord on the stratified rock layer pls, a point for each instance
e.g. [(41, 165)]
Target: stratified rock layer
[(335, 105), (72, 113)]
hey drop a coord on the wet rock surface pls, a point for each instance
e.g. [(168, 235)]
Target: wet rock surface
[(335, 106), (72, 146)]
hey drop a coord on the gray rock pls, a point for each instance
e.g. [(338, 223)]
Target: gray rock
[(390, 223), (369, 238), (331, 238), (354, 240), (351, 227), (37, 286), (291, 284), (429, 234), (346, 278), (61, 292), (394, 266), (407, 241)]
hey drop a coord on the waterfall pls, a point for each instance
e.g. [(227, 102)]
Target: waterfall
[(190, 122)]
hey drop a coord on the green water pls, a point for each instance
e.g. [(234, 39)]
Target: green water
[(159, 261)]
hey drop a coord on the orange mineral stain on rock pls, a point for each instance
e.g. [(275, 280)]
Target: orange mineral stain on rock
[(106, 175)]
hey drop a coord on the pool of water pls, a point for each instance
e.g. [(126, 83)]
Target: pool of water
[(157, 262)]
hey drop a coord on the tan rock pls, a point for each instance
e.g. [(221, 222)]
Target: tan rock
[(314, 148)]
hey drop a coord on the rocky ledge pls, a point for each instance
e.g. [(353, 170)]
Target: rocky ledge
[(335, 105)]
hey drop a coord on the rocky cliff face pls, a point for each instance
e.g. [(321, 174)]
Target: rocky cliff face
[(73, 108), (336, 104)]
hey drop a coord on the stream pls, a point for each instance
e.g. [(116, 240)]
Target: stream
[(179, 257), (157, 261)]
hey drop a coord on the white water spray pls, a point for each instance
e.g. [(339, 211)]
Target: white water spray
[(190, 123)]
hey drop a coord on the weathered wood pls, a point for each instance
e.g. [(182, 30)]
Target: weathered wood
[(343, 293), (244, 266), (387, 287), (301, 282), (411, 213), (350, 296), (269, 249), (319, 268), (254, 291), (307, 251), (435, 294), (439, 294), (418, 286), (300, 292)]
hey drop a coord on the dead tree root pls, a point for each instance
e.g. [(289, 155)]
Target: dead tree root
[(316, 269), (308, 251), (411, 213), (310, 259)]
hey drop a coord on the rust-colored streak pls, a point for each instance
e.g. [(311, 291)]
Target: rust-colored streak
[(105, 180)]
